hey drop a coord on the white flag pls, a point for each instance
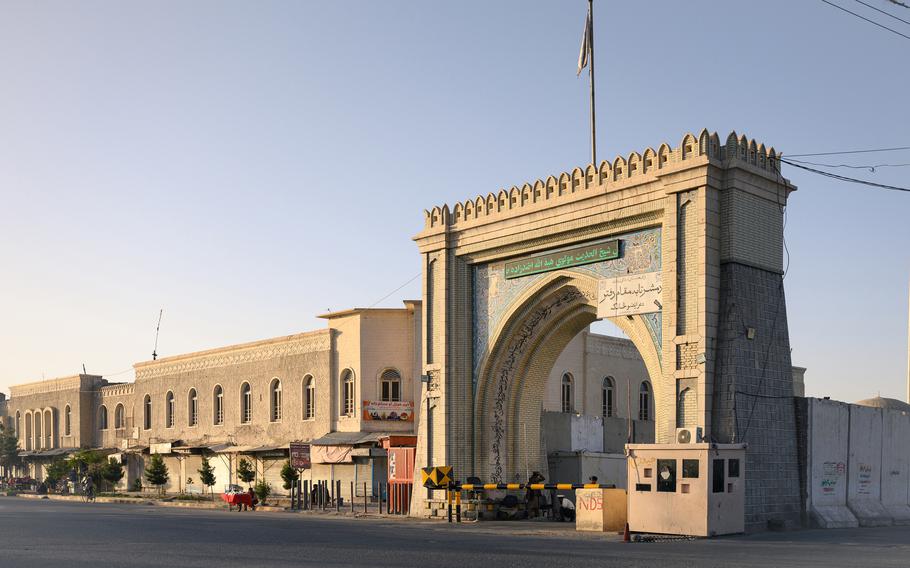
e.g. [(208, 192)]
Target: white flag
[(585, 44)]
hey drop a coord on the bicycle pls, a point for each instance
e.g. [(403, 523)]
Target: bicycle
[(88, 495)]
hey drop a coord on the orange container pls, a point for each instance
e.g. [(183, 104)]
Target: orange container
[(401, 479)]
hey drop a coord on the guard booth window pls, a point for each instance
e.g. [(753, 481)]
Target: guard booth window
[(733, 468), (690, 468), (718, 483), (666, 476)]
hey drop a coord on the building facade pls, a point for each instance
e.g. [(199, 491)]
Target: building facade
[(342, 389)]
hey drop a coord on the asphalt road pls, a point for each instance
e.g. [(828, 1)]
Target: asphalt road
[(70, 534)]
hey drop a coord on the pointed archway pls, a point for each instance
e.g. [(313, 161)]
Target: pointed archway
[(513, 373)]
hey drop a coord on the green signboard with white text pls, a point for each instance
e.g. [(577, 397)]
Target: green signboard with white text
[(598, 252)]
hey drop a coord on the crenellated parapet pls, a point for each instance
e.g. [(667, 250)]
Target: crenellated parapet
[(117, 389), (607, 175), (290, 345)]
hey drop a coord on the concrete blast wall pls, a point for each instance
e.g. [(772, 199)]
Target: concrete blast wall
[(829, 429), (896, 465), (857, 465), (864, 469)]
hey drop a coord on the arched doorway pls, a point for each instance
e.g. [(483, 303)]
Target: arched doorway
[(524, 348), (714, 214)]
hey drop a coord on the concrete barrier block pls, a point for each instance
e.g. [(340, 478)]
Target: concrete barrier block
[(870, 513), (600, 510), (833, 517), (900, 514)]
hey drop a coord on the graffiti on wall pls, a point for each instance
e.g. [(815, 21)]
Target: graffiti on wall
[(832, 473), (864, 485)]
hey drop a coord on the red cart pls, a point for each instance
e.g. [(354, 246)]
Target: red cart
[(238, 499)]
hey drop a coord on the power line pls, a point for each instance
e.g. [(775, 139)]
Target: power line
[(884, 27), (870, 167), (882, 11), (845, 178), (850, 152)]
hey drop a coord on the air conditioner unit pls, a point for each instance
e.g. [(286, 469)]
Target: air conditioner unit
[(688, 435)]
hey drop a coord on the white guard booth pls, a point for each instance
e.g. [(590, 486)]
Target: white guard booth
[(686, 489)]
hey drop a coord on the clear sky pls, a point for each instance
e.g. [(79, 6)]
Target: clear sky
[(248, 165)]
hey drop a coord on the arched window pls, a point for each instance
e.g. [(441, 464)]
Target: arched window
[(309, 398), (218, 405), (147, 412), (275, 400), (607, 397), (18, 425), (568, 398), (38, 439), (192, 407), (644, 402), (66, 420), (28, 431), (102, 418), (169, 410), (246, 403), (347, 393), (49, 428), (119, 418), (390, 383)]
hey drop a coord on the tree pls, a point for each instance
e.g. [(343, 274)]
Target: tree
[(207, 475), (88, 462), (245, 471), (9, 449), (289, 475), (57, 470), (156, 472), (263, 490), (112, 472)]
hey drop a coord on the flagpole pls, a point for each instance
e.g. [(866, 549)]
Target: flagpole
[(591, 57)]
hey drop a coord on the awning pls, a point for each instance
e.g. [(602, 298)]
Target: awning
[(187, 447), (348, 438), (54, 452), (231, 449), (47, 453), (264, 449), (331, 454)]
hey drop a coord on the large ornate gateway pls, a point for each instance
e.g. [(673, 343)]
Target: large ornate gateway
[(682, 248)]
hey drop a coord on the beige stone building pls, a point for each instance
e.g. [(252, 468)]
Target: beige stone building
[(336, 388)]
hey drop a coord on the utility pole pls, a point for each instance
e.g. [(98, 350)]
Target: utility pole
[(586, 59), (591, 56), (157, 329)]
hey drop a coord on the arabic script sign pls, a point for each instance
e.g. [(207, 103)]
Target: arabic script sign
[(563, 259), (386, 410), (629, 295), (300, 455)]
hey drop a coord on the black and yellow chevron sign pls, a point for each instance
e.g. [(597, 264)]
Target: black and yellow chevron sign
[(438, 477)]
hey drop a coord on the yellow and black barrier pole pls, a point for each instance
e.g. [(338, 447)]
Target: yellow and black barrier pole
[(458, 506), (449, 492), (535, 486)]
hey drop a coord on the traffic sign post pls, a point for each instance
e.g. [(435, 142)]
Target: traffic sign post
[(300, 455), (439, 477)]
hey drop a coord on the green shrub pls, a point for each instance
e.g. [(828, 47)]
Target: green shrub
[(263, 490), (245, 471), (289, 475)]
